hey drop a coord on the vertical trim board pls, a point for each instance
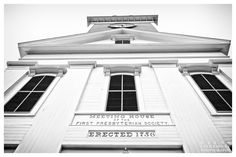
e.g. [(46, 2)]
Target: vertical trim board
[(49, 126), (193, 123)]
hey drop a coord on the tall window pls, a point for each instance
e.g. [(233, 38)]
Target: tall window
[(25, 99), (216, 92), (122, 94)]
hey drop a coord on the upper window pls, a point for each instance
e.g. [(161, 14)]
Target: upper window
[(122, 41), (122, 38), (122, 94), (26, 98), (215, 91)]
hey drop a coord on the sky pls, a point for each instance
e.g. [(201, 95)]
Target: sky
[(36, 21)]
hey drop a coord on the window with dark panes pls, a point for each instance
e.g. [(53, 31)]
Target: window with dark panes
[(118, 42), (25, 99), (126, 41), (216, 92), (122, 94), (122, 41)]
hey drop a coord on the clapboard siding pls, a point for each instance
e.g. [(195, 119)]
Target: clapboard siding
[(192, 121), (93, 99), (49, 126), (166, 136), (152, 94), (12, 76), (15, 129), (227, 71), (224, 126)]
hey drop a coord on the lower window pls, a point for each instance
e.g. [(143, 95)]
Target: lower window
[(26, 98), (215, 91)]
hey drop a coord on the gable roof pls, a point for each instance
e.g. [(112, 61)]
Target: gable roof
[(163, 42)]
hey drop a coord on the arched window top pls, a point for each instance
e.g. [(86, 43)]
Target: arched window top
[(215, 91), (44, 74), (201, 72), (122, 82), (123, 73), (38, 83), (208, 81)]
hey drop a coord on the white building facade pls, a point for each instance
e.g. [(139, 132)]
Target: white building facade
[(121, 86)]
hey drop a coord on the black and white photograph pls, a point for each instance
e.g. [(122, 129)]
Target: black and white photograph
[(117, 78)]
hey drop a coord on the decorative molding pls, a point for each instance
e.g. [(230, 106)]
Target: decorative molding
[(198, 67), (134, 48), (166, 62), (220, 61), (42, 69), (110, 69), (172, 43), (22, 63), (126, 18), (82, 63)]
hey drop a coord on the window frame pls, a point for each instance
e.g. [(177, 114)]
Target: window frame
[(18, 85), (122, 41), (108, 90), (122, 38), (205, 100)]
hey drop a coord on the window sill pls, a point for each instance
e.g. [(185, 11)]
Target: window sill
[(19, 114)]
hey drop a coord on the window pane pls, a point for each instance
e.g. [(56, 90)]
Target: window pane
[(43, 85), (126, 41), (217, 101), (128, 82), (15, 101), (129, 101), (215, 82), (110, 108), (118, 42), (32, 83), (114, 101), (30, 101), (227, 95), (202, 83), (115, 83)]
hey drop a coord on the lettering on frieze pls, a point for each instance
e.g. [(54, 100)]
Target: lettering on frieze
[(121, 120), (121, 133)]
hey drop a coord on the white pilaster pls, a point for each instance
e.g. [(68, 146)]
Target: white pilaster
[(50, 125)]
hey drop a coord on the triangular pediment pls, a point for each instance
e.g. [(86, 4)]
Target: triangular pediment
[(102, 37), (76, 39), (159, 40)]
